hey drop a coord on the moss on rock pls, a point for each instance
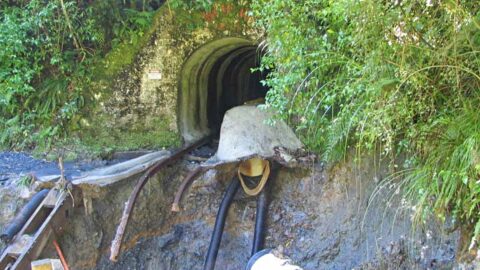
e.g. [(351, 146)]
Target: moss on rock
[(130, 109)]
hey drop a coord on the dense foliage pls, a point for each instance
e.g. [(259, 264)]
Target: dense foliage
[(50, 52), (191, 5), (397, 77)]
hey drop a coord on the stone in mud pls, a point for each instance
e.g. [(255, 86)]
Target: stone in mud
[(245, 134)]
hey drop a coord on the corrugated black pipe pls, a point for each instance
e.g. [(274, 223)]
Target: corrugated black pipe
[(220, 224), (22, 217), (259, 235)]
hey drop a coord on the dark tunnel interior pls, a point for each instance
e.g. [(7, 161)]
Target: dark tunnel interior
[(233, 74), (216, 77)]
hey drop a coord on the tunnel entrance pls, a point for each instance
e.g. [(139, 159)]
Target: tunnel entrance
[(215, 78)]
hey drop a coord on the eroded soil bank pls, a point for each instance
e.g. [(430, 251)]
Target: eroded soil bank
[(323, 218)]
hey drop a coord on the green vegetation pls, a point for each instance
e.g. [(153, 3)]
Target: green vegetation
[(25, 181), (36, 43), (52, 53), (218, 15), (202, 5), (104, 141), (399, 76), (129, 37)]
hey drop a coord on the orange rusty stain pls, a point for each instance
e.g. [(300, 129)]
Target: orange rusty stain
[(227, 8), (210, 16), (165, 228), (243, 13), (133, 240)]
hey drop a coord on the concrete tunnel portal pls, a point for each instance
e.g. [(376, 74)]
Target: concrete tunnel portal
[(215, 78)]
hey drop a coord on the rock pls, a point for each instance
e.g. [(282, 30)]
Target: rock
[(276, 217), (25, 192), (170, 238), (298, 217), (245, 134)]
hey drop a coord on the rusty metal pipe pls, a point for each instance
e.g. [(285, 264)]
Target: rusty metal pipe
[(187, 181), (117, 241), (60, 254)]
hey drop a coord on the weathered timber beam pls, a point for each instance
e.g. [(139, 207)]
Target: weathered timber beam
[(42, 230)]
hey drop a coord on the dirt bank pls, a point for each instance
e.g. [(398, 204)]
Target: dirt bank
[(322, 218)]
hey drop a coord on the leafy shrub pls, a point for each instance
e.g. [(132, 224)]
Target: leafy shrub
[(38, 59), (191, 5), (401, 76), (50, 50)]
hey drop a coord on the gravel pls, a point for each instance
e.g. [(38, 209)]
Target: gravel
[(16, 164)]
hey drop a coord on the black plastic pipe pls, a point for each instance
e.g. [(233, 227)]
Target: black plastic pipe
[(220, 224), (259, 235), (262, 209), (22, 217)]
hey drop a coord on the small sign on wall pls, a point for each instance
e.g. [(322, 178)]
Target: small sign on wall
[(154, 75)]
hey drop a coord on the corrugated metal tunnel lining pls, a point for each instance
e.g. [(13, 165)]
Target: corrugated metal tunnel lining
[(215, 78)]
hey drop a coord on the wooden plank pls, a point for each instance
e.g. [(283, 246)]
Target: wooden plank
[(17, 247), (51, 199), (6, 261), (30, 224), (6, 258), (36, 221), (53, 222), (42, 224)]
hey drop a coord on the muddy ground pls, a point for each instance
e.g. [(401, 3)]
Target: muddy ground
[(321, 218)]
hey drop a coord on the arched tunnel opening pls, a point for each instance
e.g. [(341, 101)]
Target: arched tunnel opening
[(215, 78)]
